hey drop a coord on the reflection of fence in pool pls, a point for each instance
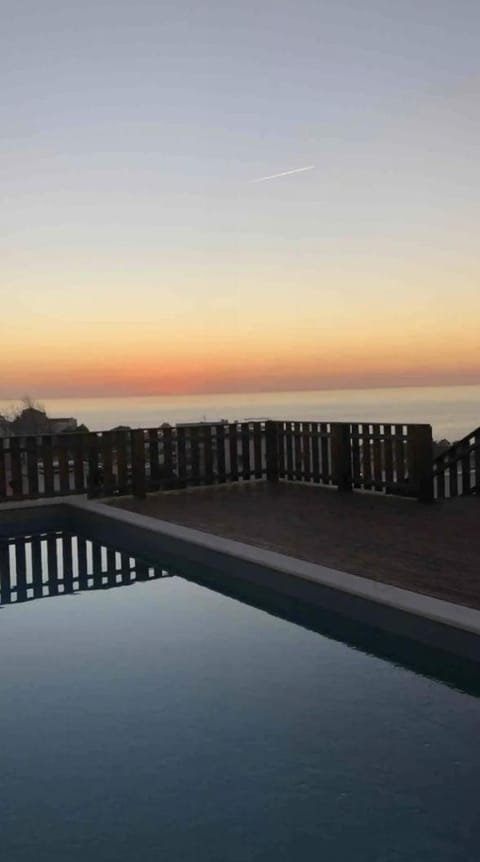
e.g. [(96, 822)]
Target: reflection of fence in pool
[(52, 564)]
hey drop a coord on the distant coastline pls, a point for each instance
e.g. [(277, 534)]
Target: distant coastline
[(452, 411)]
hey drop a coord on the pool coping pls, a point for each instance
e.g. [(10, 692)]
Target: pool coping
[(202, 545)]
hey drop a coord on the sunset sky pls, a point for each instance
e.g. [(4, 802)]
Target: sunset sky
[(137, 254)]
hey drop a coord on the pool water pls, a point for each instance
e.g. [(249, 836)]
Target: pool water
[(169, 721)]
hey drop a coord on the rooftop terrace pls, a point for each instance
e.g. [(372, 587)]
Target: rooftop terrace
[(429, 549)]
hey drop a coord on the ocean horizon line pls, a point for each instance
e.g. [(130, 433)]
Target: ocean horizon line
[(6, 399)]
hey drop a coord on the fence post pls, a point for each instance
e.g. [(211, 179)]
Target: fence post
[(95, 474), (138, 464), (341, 456), (423, 462), (16, 481), (271, 450), (3, 472)]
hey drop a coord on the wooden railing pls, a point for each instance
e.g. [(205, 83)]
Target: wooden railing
[(121, 462), (457, 470), (381, 458), (392, 459)]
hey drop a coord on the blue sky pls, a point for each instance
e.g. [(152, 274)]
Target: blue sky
[(130, 134)]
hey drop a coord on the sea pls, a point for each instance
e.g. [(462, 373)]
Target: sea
[(453, 411)]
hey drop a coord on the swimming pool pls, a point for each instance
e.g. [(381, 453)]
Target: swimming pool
[(186, 718)]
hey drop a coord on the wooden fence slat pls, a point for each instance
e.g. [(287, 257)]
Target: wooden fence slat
[(78, 446), (139, 484), (61, 448), (193, 433), (245, 437), (399, 455), (280, 448), (315, 452), (421, 436), (3, 470), (233, 451), (453, 477), (94, 475), (297, 443), (326, 468), (366, 456), (153, 459), (440, 485), (167, 444), (208, 454), (121, 442), (411, 478), (220, 452), (257, 450), (47, 459), (306, 446), (32, 466), (465, 462), (105, 443), (273, 446), (289, 448), (476, 455), (16, 481), (356, 456), (341, 456), (377, 457), (388, 457), (181, 457)]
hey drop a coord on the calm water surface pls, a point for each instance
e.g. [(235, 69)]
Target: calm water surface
[(453, 411), (168, 721)]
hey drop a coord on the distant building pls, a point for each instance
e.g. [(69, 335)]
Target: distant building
[(63, 426), (32, 421)]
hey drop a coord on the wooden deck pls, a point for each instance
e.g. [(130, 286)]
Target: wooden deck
[(431, 549)]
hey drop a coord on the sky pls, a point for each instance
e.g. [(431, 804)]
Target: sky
[(138, 255)]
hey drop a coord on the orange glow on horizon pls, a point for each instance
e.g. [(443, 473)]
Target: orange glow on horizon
[(323, 343), (148, 368)]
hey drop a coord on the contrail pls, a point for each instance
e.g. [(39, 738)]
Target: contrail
[(284, 174)]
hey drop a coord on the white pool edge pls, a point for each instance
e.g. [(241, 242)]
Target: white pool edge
[(418, 605)]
